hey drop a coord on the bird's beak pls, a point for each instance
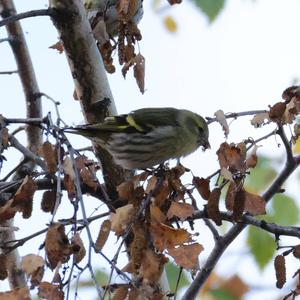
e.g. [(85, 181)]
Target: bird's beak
[(206, 145)]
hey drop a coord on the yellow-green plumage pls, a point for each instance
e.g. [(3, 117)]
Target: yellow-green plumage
[(148, 136)]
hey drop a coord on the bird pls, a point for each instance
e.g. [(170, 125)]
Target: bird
[(147, 137)]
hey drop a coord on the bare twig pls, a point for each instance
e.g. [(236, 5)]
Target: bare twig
[(9, 72), (28, 14)]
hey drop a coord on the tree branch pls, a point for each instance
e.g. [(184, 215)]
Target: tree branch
[(223, 242), (28, 14)]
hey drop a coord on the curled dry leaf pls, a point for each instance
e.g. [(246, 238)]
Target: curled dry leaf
[(23, 198), (276, 111), (78, 248), (127, 9), (156, 214), (180, 210), (239, 205), (16, 294), (165, 237), (279, 264), (251, 161), (59, 46), (139, 72), (221, 119), (33, 266), (31, 262), (186, 256), (260, 119), (231, 156), (48, 201), (122, 218), (57, 245), (7, 211), (291, 111), (152, 266), (125, 189), (213, 206), (49, 154), (162, 193), (202, 186), (290, 92), (253, 204), (103, 234), (50, 291)]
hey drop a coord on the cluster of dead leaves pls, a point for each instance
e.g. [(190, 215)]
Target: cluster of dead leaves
[(280, 269), (21, 201), (150, 232), (283, 112), (85, 167), (234, 164), (127, 33)]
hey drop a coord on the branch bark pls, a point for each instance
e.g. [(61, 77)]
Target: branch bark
[(33, 110), (90, 78)]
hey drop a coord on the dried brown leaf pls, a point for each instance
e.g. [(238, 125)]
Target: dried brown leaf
[(277, 111), (103, 235), (165, 237), (50, 291), (48, 201), (139, 72), (202, 186), (16, 294), (56, 245), (260, 119), (239, 205), (23, 198), (49, 154), (221, 119), (59, 46), (78, 248), (186, 255), (156, 214), (213, 206), (231, 156), (122, 218), (180, 210), (31, 263), (152, 266)]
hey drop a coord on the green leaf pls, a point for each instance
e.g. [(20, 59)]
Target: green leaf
[(285, 210), (172, 274), (261, 176), (221, 294), (262, 246), (211, 8)]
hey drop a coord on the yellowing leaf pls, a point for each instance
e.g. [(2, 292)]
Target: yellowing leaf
[(170, 24)]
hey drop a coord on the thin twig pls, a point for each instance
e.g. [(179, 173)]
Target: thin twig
[(9, 72), (236, 115), (27, 14)]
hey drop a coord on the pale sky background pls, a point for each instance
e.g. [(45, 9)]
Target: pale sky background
[(243, 61)]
